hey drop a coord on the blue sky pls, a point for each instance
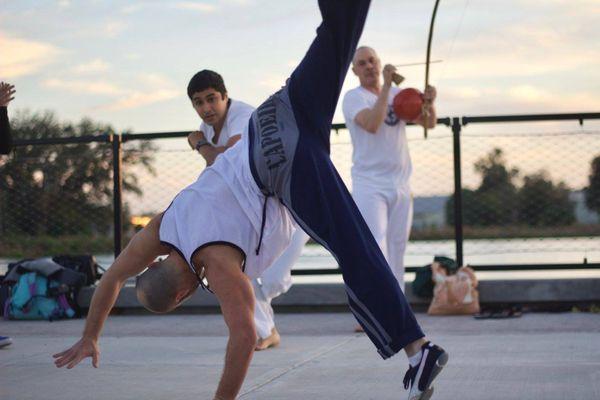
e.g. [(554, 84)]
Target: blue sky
[(128, 62)]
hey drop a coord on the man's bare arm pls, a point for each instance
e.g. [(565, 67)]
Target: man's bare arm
[(234, 292), (210, 152), (370, 119), (143, 248)]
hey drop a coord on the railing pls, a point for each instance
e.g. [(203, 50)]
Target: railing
[(456, 200)]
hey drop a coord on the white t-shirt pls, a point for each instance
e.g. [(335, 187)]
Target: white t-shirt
[(381, 159), (225, 205), (236, 122)]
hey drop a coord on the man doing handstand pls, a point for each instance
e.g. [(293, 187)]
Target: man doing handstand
[(235, 220)]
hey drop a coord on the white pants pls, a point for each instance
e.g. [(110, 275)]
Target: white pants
[(276, 280), (388, 213)]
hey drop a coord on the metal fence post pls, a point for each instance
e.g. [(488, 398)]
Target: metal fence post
[(458, 219), (117, 199)]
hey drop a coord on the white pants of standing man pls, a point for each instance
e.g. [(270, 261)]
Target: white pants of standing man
[(388, 213), (276, 280)]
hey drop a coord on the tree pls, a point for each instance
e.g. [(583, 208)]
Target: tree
[(493, 203), (592, 192), (472, 209), (542, 203), (63, 189), (494, 174), (497, 194)]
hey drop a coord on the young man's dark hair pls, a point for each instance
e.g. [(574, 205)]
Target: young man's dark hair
[(206, 79)]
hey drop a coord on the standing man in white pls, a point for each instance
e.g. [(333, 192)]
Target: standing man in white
[(223, 122), (381, 165)]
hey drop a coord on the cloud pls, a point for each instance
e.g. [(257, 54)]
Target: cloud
[(189, 5), (465, 92), (151, 88), (114, 28), (517, 52), (140, 99), (274, 82), (83, 86), (147, 88), (154, 80), (531, 96), (130, 9), (94, 66), (195, 6), (22, 57), (64, 3), (580, 7), (237, 2), (513, 98), (528, 94)]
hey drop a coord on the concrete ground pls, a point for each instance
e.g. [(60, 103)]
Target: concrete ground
[(537, 356)]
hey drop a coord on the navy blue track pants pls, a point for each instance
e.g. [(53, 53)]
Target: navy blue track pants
[(289, 146)]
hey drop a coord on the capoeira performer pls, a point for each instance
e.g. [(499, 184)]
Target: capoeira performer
[(224, 120), (381, 165), (235, 220)]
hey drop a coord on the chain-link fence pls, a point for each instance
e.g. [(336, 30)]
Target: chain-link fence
[(56, 197), (527, 193), (524, 198)]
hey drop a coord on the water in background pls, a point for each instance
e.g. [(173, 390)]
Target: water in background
[(476, 252)]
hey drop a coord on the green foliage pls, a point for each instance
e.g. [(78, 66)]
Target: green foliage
[(495, 175), (499, 202), (542, 203), (63, 189), (592, 192)]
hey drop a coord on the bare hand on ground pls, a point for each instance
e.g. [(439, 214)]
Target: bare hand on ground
[(82, 349)]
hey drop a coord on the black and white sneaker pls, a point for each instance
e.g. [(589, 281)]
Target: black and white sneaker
[(418, 379), (5, 341)]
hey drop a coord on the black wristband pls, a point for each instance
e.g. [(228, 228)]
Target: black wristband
[(201, 142)]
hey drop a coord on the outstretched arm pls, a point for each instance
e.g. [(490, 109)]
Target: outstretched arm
[(7, 92), (143, 248), (223, 266)]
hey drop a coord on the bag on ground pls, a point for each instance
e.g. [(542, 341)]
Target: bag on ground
[(454, 294), (41, 289)]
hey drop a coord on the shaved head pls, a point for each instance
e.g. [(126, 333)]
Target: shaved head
[(165, 284), (366, 65), (363, 51)]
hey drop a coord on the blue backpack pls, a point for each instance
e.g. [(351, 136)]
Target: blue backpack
[(36, 297)]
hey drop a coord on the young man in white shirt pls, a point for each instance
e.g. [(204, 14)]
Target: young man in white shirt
[(224, 120), (227, 229), (381, 165)]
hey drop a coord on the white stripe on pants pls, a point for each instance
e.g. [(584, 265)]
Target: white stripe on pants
[(275, 281), (388, 213)]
